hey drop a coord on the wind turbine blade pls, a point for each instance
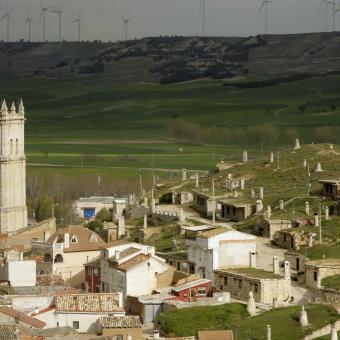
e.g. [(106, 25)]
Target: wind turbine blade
[(321, 3), (261, 7)]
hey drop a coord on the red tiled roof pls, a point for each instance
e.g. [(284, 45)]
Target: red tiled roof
[(22, 317)]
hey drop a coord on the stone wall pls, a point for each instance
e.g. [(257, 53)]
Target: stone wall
[(323, 331), (326, 296)]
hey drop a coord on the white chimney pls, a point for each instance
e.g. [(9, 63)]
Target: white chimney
[(276, 265), (252, 259), (117, 255), (66, 240), (269, 333), (156, 334), (287, 269)]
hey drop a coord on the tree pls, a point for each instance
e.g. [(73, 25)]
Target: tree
[(44, 208), (290, 135), (104, 215), (302, 108), (269, 133)]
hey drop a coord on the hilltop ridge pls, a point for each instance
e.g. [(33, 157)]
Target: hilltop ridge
[(175, 59)]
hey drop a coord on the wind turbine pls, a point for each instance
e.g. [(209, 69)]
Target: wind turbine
[(325, 3), (126, 21), (333, 3), (29, 22), (202, 16), (59, 12), (79, 20), (264, 6), (43, 12), (7, 17), (335, 12)]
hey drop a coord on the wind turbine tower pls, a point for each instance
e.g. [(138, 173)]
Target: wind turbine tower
[(29, 22), (43, 12), (334, 10), (79, 20), (59, 12), (125, 26), (325, 3), (8, 18), (202, 16), (264, 7)]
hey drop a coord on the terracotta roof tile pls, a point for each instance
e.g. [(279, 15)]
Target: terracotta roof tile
[(83, 236), (22, 317), (8, 331), (88, 302), (215, 335), (130, 321)]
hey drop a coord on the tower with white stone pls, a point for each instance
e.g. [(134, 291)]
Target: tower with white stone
[(13, 210)]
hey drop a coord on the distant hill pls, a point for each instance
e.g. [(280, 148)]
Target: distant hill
[(176, 59)]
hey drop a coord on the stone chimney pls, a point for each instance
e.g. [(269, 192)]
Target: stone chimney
[(259, 206), (276, 265), (145, 224), (197, 180), (287, 269), (307, 210), (184, 175), (297, 144), (326, 213), (66, 240), (242, 183), (252, 259), (117, 255), (282, 205), (181, 216), (303, 317), (269, 333), (261, 195), (156, 334), (272, 157), (316, 220)]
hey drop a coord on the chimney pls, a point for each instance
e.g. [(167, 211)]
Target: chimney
[(156, 334), (117, 255), (66, 240), (269, 333), (47, 235), (276, 265), (287, 269), (252, 259), (316, 220)]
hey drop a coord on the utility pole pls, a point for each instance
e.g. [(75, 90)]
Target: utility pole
[(214, 203), (320, 223), (308, 180)]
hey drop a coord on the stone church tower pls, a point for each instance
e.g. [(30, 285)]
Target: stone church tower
[(13, 210)]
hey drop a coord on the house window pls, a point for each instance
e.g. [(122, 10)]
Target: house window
[(74, 239), (239, 283), (225, 281), (58, 258), (256, 287), (315, 276), (202, 290), (75, 324)]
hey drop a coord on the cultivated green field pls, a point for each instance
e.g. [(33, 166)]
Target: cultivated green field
[(87, 121)]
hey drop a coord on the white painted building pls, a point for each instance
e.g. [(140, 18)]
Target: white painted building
[(19, 273), (219, 248), (81, 311), (88, 207), (130, 268), (66, 252), (13, 210)]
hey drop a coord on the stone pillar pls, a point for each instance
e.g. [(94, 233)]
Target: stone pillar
[(229, 176), (145, 225), (307, 210), (184, 175), (153, 206), (304, 163), (259, 206), (252, 193), (316, 220), (297, 144), (334, 333), (326, 213), (310, 240), (121, 226), (181, 216), (318, 167), (252, 259), (242, 183), (276, 265), (287, 269), (272, 157), (251, 306), (261, 194), (269, 212), (269, 333), (303, 317), (197, 181), (282, 205), (146, 202), (245, 157)]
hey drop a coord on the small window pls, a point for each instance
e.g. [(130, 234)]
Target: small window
[(315, 276), (256, 288), (202, 290), (225, 281), (74, 239), (75, 324), (11, 146), (239, 283), (17, 146), (93, 238)]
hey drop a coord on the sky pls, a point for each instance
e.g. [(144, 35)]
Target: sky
[(102, 18)]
